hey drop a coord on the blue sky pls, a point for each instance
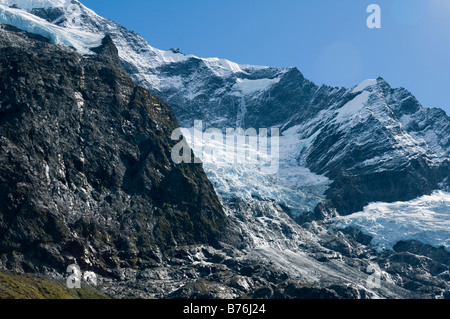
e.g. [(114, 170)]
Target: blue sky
[(327, 40)]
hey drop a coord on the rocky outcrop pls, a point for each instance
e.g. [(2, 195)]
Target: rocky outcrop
[(86, 174), (419, 268)]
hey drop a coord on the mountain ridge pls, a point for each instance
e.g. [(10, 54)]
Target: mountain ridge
[(340, 150), (65, 171)]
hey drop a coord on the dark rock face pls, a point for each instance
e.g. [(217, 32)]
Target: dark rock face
[(86, 177), (85, 167), (49, 14), (421, 269)]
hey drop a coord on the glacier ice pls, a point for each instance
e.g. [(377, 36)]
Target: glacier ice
[(248, 87), (425, 219), (80, 40), (294, 187)]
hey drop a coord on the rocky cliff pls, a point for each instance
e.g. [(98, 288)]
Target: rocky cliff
[(86, 174), (130, 214)]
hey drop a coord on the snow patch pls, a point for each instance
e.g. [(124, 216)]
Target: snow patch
[(353, 107), (166, 57), (248, 87), (80, 101), (223, 66), (364, 85), (425, 219), (82, 41)]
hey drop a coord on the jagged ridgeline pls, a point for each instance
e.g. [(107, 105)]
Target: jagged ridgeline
[(85, 169), (85, 174)]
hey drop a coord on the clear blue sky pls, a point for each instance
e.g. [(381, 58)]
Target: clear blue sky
[(327, 40)]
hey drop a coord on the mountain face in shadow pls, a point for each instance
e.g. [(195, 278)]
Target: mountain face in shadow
[(86, 173)]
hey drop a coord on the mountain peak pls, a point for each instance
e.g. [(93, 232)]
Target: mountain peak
[(80, 40), (176, 51), (108, 53), (364, 85), (381, 81)]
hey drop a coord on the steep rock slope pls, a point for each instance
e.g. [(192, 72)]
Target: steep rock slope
[(85, 170), (86, 179), (373, 142)]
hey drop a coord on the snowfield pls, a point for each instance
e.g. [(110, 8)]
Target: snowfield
[(81, 41), (248, 87), (425, 219)]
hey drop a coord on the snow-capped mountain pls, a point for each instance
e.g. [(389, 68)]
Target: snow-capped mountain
[(82, 41), (341, 149), (352, 136)]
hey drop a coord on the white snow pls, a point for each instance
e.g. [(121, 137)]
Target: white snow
[(364, 85), (354, 107), (30, 4), (223, 65), (166, 57), (292, 186), (80, 40), (220, 67), (248, 87), (425, 219), (427, 137), (80, 101), (47, 173)]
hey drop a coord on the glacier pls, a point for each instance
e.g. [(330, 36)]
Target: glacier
[(294, 187), (82, 41), (425, 219), (383, 128)]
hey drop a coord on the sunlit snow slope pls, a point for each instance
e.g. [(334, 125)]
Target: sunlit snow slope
[(272, 175), (425, 219), (81, 40)]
